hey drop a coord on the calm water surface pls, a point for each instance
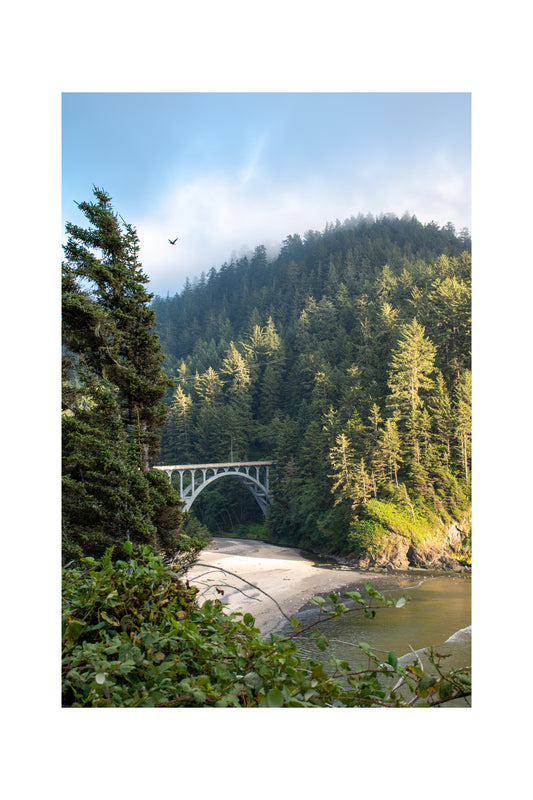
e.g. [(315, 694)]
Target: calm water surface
[(438, 614)]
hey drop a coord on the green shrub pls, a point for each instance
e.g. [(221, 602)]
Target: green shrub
[(133, 636), (364, 537), (387, 517)]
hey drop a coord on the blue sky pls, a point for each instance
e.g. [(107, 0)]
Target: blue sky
[(226, 172)]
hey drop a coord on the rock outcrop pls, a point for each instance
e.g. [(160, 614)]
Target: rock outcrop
[(399, 552)]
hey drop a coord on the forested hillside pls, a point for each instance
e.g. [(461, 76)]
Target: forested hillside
[(347, 360)]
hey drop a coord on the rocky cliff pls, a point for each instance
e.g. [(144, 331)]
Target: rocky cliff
[(448, 551)]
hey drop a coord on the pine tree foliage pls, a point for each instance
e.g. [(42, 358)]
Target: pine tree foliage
[(103, 259), (358, 336), (410, 372), (113, 386)]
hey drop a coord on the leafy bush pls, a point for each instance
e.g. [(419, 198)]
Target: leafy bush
[(364, 537), (133, 636), (388, 517)]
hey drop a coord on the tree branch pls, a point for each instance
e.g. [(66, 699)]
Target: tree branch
[(228, 586), (199, 564)]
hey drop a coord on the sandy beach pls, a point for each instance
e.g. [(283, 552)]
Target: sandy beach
[(281, 572)]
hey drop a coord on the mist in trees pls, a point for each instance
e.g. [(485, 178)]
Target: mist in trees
[(346, 359)]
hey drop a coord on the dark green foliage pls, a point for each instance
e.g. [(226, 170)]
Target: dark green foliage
[(108, 322), (105, 497), (362, 331), (113, 387), (225, 506), (363, 537), (134, 637)]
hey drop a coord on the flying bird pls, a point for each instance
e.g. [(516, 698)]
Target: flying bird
[(173, 241)]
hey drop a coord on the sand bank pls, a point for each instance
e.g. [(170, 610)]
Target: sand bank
[(282, 572)]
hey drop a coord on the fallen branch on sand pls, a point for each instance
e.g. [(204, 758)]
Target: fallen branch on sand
[(210, 566), (226, 585)]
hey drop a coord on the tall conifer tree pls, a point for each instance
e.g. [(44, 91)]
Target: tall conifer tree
[(104, 260), (112, 392), (411, 370)]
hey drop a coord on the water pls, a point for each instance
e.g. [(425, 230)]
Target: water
[(438, 614)]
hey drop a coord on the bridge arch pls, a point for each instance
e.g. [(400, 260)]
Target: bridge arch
[(194, 478)]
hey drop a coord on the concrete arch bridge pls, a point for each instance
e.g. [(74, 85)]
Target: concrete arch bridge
[(193, 478)]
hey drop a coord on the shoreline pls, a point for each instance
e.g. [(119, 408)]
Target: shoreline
[(251, 576)]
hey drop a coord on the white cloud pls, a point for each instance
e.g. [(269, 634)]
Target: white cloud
[(223, 215)]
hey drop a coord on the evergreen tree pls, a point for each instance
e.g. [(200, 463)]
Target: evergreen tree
[(237, 413), (390, 447), (112, 391), (179, 422), (449, 321), (463, 429), (270, 389), (238, 373), (443, 418), (208, 387), (104, 260), (411, 369), (343, 464), (350, 477), (377, 471)]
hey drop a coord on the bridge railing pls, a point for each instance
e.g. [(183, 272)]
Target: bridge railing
[(193, 478), (210, 466)]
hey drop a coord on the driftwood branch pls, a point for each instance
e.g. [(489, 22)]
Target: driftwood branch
[(228, 586), (416, 655), (210, 566)]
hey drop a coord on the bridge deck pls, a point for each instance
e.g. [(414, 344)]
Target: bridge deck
[(212, 466)]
